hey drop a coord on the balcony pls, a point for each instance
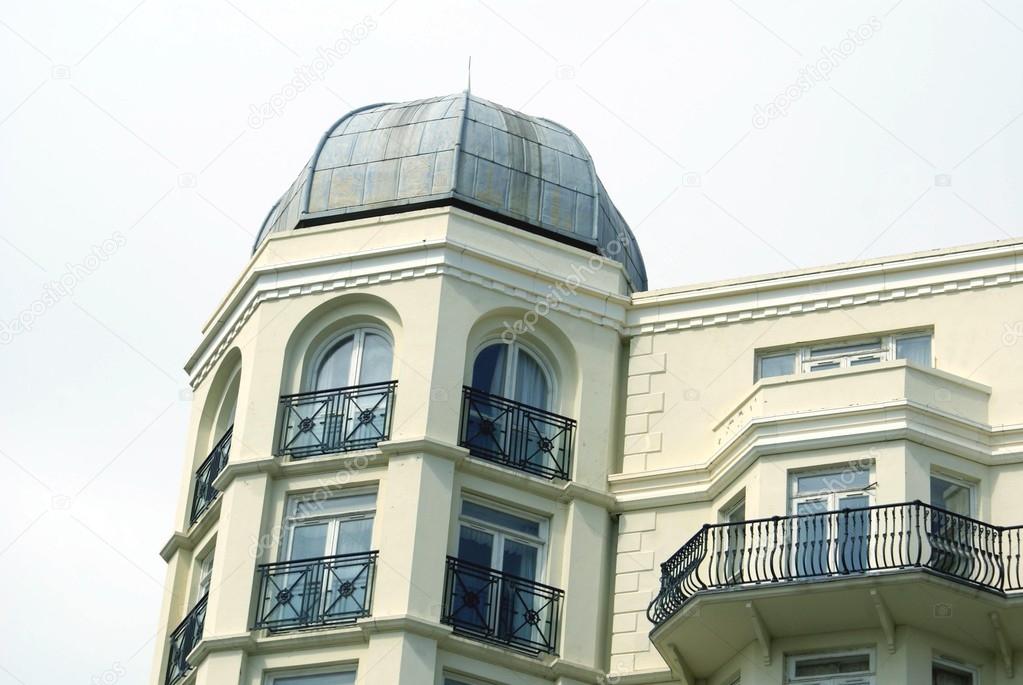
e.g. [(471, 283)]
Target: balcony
[(500, 608), (339, 420), (516, 435), (205, 494), (837, 570), (315, 593), (183, 640)]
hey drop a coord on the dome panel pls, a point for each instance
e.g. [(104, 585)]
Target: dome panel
[(459, 149)]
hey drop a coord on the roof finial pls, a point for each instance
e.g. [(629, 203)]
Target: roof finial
[(468, 87)]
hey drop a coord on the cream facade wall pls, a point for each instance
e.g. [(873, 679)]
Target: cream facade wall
[(672, 429)]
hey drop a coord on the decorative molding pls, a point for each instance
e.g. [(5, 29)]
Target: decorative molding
[(816, 430), (842, 286), (426, 259)]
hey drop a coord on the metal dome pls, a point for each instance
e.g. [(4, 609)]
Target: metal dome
[(464, 151)]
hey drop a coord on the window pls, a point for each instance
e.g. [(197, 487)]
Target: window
[(342, 678), (824, 542), (513, 544), (914, 347), (319, 527), (204, 576), (511, 371), (944, 672), (844, 668), (358, 357), (324, 575), (952, 495), (951, 531), (735, 539)]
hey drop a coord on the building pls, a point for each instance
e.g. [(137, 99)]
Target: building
[(443, 435)]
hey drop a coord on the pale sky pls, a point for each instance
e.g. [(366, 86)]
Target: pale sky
[(139, 160)]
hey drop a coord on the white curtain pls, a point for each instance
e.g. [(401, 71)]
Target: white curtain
[(530, 382), (336, 368), (376, 359)]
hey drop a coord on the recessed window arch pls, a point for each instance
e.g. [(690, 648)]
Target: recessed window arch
[(356, 356), (514, 371)]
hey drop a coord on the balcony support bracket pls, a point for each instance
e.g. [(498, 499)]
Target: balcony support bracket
[(885, 617), (760, 631), (683, 672), (1004, 650)]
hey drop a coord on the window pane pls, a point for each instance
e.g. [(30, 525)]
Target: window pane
[(500, 518), (825, 366), (950, 496), (835, 481), (348, 504), (519, 559), (309, 542), (336, 367), (833, 665), (488, 371), (854, 348), (321, 679), (916, 350), (945, 675), (860, 361), (777, 365), (376, 359), (355, 536), (475, 546), (530, 382)]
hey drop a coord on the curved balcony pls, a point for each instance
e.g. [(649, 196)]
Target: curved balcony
[(338, 420), (516, 435), (885, 538), (205, 494), (867, 568)]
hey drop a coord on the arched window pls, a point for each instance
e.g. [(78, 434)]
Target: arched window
[(356, 358), (512, 371), (346, 397)]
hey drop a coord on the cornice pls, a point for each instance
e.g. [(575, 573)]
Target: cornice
[(816, 430), (425, 259), (841, 286)]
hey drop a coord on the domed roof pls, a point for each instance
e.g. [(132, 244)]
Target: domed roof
[(464, 151)]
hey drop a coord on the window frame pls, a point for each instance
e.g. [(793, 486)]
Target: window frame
[(968, 485), (275, 678), (293, 520), (203, 573), (311, 374), (805, 358), (516, 347), (954, 665), (833, 495), (541, 541), (792, 659)]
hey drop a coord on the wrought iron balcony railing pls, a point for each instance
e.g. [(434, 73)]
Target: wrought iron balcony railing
[(516, 435), (312, 593), (183, 640), (501, 608), (340, 420), (847, 542), (205, 494)]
